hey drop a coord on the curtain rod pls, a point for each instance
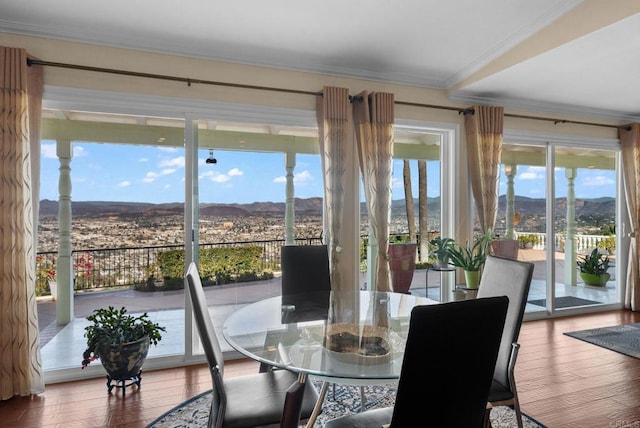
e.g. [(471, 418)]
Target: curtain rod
[(190, 81)]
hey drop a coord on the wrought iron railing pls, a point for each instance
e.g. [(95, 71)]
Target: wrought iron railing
[(130, 266)]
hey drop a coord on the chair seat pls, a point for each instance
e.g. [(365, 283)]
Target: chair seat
[(258, 400), (368, 419), (499, 392)]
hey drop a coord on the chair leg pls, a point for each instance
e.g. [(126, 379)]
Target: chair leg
[(363, 399), (487, 418), (516, 407), (318, 406)]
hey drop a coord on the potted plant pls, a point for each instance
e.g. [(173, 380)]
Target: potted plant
[(470, 258), (593, 268), (46, 275), (121, 342), (402, 264), (440, 251)]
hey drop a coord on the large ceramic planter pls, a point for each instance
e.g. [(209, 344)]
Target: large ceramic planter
[(597, 280), (124, 361), (402, 264)]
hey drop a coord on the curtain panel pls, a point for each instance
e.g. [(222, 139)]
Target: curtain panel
[(20, 105), (484, 127), (630, 141), (333, 128), (373, 119)]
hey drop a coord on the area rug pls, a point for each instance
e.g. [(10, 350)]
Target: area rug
[(194, 413), (624, 338), (564, 302)]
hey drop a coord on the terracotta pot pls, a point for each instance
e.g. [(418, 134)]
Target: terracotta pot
[(402, 264)]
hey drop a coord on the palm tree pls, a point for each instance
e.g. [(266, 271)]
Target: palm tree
[(422, 210), (408, 199)]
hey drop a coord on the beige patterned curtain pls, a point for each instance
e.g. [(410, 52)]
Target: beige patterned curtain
[(373, 118), (483, 128), (333, 113), (20, 95), (630, 140)]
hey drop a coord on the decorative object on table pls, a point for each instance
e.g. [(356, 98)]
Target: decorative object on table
[(402, 264), (440, 251), (470, 258), (593, 268), (624, 338), (528, 240), (193, 413), (121, 342)]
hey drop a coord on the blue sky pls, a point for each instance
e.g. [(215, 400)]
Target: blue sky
[(111, 172)]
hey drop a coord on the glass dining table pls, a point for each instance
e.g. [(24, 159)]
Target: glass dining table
[(356, 336)]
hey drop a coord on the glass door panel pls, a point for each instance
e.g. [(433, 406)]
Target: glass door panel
[(522, 214), (584, 225)]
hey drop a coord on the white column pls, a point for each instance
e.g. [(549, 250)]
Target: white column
[(510, 172), (64, 264), (289, 213), (570, 276)]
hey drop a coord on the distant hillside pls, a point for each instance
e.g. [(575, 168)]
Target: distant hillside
[(599, 207)]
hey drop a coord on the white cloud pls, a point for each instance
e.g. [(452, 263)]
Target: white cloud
[(533, 173), (598, 180), (168, 149), (168, 171), (234, 172), (300, 178), (124, 184), (79, 151), (142, 160), (150, 177), (48, 151), (172, 162)]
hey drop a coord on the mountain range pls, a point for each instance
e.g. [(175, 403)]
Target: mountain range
[(597, 207)]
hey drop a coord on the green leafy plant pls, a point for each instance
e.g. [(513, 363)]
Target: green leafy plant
[(440, 250), (608, 243), (528, 239), (594, 263), (470, 257), (112, 327)]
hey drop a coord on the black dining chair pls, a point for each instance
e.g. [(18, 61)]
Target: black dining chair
[(306, 287), (511, 278), (447, 369), (250, 400)]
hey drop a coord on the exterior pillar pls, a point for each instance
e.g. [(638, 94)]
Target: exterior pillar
[(289, 212), (570, 276), (510, 172), (64, 264)]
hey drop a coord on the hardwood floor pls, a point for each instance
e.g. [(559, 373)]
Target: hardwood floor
[(562, 382)]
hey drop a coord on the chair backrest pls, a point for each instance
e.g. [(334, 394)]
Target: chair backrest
[(511, 278), (210, 344), (306, 282), (451, 351)]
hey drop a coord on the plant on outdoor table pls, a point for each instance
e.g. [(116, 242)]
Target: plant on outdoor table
[(113, 328), (470, 258), (595, 262), (593, 268), (440, 250)]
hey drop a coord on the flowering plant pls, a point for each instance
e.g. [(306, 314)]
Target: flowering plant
[(45, 268)]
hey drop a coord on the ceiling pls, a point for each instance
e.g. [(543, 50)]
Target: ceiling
[(562, 56)]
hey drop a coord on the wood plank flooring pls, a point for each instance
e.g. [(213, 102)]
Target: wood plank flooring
[(562, 381)]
